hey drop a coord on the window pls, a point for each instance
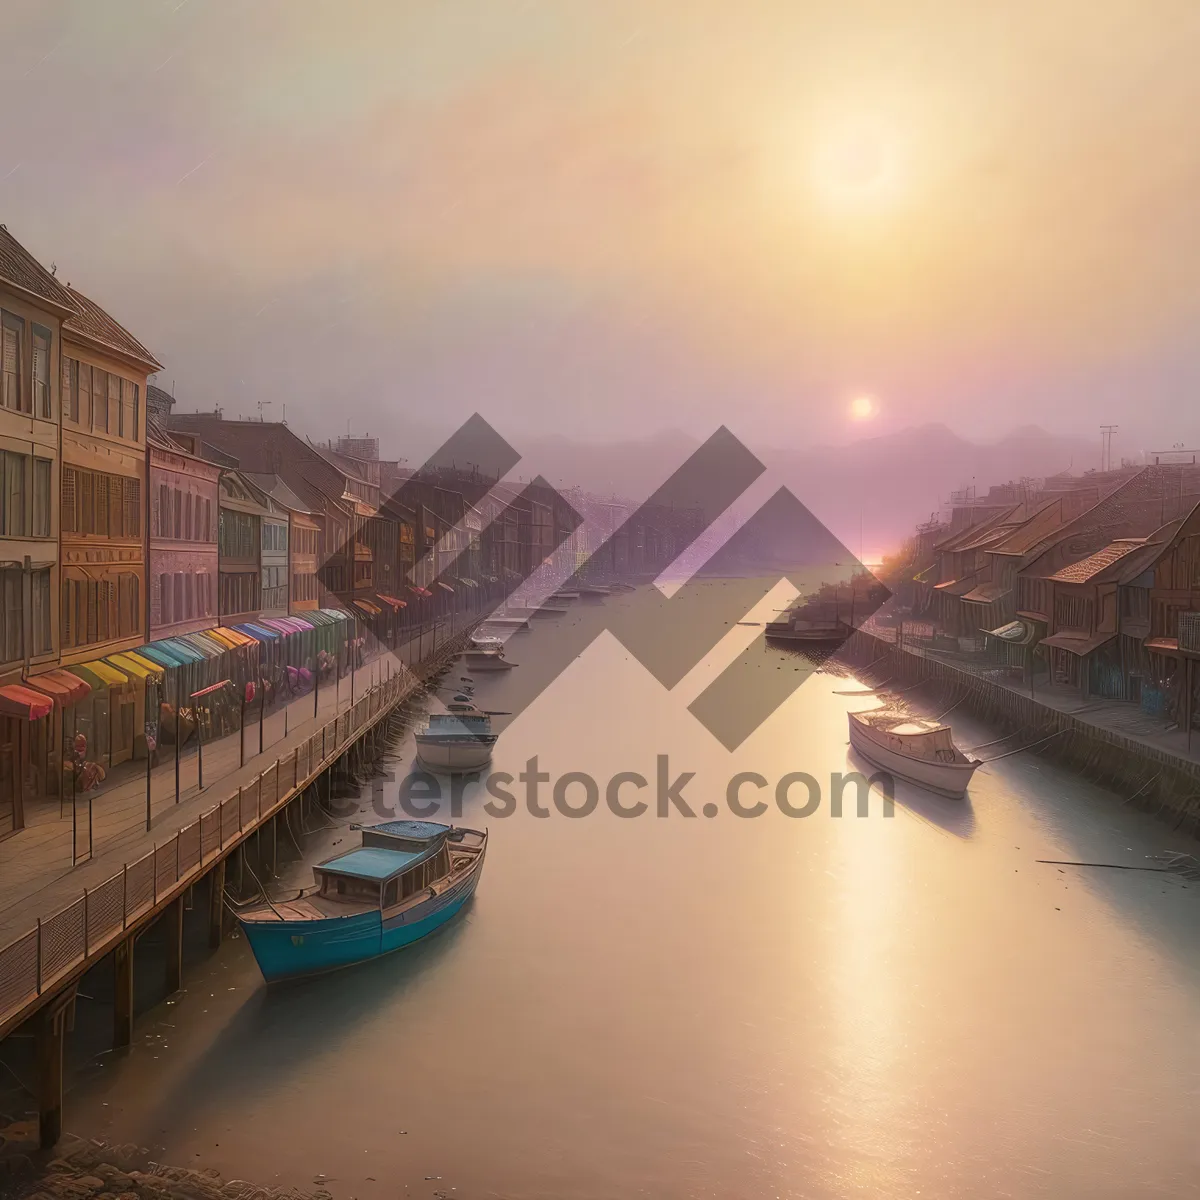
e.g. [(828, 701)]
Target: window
[(12, 334), (41, 497), (103, 505), (129, 410), (187, 514), (12, 494), (210, 534), (99, 610), (12, 641), (83, 385), (114, 404), (41, 372), (165, 611), (69, 386)]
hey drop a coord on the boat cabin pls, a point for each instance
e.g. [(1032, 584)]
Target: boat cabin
[(396, 861)]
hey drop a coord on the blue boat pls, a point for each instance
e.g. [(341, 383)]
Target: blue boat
[(404, 881)]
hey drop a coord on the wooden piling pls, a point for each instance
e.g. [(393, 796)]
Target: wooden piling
[(123, 992), (216, 906), (50, 1038), (173, 919)]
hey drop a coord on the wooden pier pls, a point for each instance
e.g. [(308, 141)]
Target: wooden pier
[(40, 971)]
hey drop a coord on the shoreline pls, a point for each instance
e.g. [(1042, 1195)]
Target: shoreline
[(79, 1168)]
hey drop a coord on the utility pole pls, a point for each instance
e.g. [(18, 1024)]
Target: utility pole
[(1106, 432)]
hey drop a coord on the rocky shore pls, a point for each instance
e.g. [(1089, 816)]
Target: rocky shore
[(78, 1169)]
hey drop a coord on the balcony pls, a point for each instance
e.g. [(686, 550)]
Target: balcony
[(1189, 633)]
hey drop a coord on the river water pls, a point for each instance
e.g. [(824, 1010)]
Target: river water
[(884, 1006)]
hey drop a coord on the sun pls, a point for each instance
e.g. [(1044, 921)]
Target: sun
[(856, 167), (863, 408)]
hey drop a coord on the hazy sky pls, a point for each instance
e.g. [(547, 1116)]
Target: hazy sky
[(599, 217)]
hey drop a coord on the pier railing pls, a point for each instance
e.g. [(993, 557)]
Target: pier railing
[(91, 924)]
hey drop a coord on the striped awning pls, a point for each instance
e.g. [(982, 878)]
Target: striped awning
[(107, 675), (62, 687), (24, 702), (140, 668), (365, 606)]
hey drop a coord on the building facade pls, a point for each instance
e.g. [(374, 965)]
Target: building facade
[(103, 504), (184, 512)]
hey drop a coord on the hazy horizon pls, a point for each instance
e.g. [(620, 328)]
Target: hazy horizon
[(806, 221)]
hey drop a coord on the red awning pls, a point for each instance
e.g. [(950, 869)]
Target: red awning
[(419, 591), (23, 702), (396, 604), (62, 687), (212, 687)]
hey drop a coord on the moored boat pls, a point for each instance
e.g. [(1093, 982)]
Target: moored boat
[(404, 881), (594, 591), (458, 740), (506, 620), (919, 750), (486, 654), (807, 632)]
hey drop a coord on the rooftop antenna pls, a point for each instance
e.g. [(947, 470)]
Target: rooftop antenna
[(261, 405), (1106, 432)]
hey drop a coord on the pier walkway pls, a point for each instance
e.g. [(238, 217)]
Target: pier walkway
[(59, 917)]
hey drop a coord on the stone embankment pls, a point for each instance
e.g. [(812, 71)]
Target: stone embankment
[(78, 1169)]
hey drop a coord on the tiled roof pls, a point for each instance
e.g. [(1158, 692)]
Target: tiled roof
[(1027, 535), (22, 270), (1087, 568), (97, 326), (987, 593)]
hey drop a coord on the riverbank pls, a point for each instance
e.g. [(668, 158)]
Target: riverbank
[(1151, 776), (78, 1169)]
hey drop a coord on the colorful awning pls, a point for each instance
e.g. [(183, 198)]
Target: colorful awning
[(372, 610), (23, 702), (62, 687), (445, 586), (260, 633), (210, 647), (108, 675), (174, 648), (141, 668), (417, 590), (396, 604)]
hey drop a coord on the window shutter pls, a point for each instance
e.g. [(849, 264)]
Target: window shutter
[(133, 507), (68, 516), (100, 486)]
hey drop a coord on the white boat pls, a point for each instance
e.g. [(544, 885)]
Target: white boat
[(456, 741), (486, 654), (913, 748), (506, 621)]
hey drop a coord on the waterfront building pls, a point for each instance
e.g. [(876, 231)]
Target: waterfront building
[(33, 308), (104, 599), (184, 512)]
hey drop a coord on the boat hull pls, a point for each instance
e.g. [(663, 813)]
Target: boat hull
[(944, 779), (454, 755), (487, 662), (293, 949)]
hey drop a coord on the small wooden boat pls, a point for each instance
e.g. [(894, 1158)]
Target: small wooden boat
[(456, 741), (593, 591), (507, 621), (486, 654), (621, 587), (806, 632), (404, 881), (913, 748), (565, 594)]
